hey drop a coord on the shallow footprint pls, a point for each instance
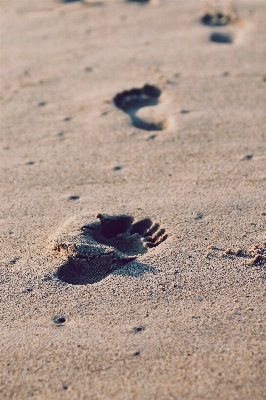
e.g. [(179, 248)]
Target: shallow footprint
[(130, 101), (95, 246)]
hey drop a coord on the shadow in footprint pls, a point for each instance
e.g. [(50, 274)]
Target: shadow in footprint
[(91, 3), (130, 101), (97, 246), (78, 272), (219, 37), (132, 238), (138, 1)]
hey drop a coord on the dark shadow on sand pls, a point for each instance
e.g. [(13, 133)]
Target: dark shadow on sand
[(76, 272), (90, 3), (138, 1)]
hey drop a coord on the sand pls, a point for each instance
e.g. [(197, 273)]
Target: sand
[(142, 112)]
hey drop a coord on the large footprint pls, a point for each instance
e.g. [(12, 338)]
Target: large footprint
[(131, 101), (97, 245)]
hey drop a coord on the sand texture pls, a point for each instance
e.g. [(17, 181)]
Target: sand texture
[(133, 200)]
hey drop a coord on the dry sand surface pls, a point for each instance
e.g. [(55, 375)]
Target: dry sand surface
[(133, 188)]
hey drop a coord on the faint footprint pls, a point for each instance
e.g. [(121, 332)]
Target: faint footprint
[(97, 246), (130, 101)]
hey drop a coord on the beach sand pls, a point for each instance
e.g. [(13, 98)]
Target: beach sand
[(184, 153)]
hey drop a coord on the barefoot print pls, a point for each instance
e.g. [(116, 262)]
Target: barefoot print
[(97, 246), (130, 101)]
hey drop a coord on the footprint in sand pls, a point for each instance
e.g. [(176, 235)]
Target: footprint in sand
[(97, 245), (214, 17), (139, 104)]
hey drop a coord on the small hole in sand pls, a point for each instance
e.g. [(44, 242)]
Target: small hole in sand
[(59, 320), (28, 290), (248, 157), (138, 329)]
